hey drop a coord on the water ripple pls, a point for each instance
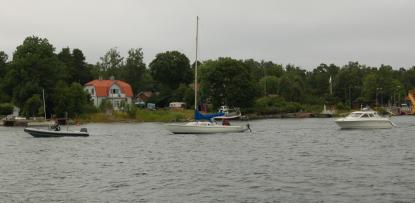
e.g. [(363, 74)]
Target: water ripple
[(283, 160)]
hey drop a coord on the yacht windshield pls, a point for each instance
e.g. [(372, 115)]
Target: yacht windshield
[(365, 116), (355, 115)]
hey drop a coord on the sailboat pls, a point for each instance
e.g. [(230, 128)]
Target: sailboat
[(203, 127)]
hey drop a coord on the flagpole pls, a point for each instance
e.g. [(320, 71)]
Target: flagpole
[(331, 87)]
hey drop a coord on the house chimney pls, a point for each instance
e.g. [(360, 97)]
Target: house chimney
[(112, 77)]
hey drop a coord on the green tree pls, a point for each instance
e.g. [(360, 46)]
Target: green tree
[(269, 85), (76, 69), (348, 82), (33, 106), (381, 86), (318, 79), (3, 63), (134, 70), (184, 93), (34, 67), (71, 99), (228, 81), (408, 78), (6, 109), (84, 72), (110, 64), (271, 69), (66, 58), (291, 87), (4, 97), (171, 69)]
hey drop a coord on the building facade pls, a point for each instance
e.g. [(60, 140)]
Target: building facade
[(115, 91)]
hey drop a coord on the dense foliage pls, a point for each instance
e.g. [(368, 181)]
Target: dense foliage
[(228, 82), (36, 68), (262, 85), (6, 109)]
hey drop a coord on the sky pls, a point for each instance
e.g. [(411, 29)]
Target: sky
[(300, 32)]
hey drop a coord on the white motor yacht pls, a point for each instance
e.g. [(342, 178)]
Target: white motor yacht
[(364, 120)]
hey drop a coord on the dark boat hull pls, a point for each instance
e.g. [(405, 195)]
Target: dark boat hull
[(51, 133)]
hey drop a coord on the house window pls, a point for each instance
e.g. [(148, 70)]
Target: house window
[(93, 91), (114, 91)]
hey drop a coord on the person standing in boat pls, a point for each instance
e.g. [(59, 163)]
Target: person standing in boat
[(56, 126)]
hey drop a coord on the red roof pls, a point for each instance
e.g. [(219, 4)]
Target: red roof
[(102, 87)]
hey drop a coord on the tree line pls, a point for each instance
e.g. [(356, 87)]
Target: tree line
[(36, 66)]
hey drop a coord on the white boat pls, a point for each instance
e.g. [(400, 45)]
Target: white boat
[(199, 127), (364, 120), (229, 113)]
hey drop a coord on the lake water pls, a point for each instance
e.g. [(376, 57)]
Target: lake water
[(282, 160)]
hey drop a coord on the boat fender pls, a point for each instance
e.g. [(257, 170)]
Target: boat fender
[(57, 128), (84, 130)]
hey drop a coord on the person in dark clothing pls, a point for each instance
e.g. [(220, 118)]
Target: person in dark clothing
[(225, 122)]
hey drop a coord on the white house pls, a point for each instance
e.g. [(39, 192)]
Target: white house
[(116, 91)]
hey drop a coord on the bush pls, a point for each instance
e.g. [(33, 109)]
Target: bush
[(131, 111), (89, 108), (313, 108), (105, 105), (341, 106), (275, 105), (269, 102)]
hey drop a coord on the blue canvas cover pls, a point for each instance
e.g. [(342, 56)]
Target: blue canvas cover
[(200, 116)]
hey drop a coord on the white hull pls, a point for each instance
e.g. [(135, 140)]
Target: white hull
[(364, 124), (199, 129)]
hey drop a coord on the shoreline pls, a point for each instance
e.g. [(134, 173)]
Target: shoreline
[(165, 116), (186, 115)]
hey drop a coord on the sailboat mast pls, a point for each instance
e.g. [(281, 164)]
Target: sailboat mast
[(44, 103), (196, 85)]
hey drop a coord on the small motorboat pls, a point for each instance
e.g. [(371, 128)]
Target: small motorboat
[(35, 132), (364, 120)]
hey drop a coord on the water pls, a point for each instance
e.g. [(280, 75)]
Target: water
[(287, 160)]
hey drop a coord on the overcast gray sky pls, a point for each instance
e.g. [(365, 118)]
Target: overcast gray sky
[(301, 32)]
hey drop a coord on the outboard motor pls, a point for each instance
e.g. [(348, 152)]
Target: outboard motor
[(84, 130), (249, 127)]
